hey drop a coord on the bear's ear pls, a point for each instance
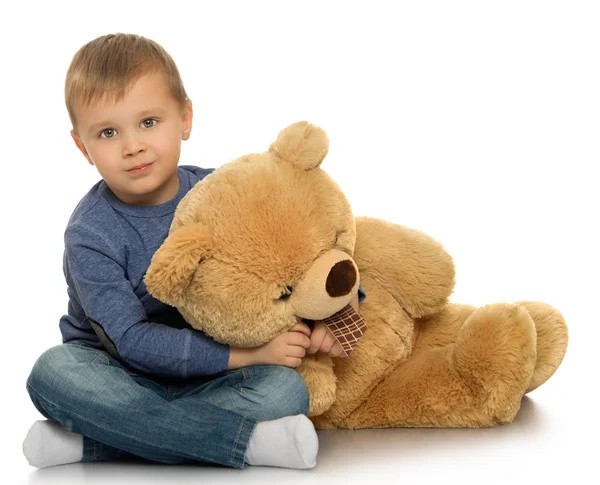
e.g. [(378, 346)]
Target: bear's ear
[(301, 144), (175, 262)]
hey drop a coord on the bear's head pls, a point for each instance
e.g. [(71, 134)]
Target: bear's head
[(260, 243)]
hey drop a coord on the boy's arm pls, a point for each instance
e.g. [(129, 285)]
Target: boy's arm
[(120, 321)]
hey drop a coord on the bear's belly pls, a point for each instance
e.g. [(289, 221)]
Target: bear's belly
[(389, 339)]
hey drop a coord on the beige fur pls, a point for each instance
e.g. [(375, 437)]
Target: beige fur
[(268, 222)]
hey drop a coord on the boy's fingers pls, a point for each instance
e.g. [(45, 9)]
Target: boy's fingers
[(336, 351), (302, 328), (299, 339), (305, 342), (316, 340), (293, 361), (328, 343), (296, 351)]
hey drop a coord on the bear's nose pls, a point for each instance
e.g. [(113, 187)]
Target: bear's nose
[(341, 279)]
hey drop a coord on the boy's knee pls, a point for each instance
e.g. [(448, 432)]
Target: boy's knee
[(46, 365), (56, 369), (288, 388), (42, 380)]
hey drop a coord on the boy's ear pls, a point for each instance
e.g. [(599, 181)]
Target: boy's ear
[(175, 262), (79, 142), (187, 118)]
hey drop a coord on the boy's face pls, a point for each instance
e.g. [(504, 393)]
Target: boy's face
[(135, 143)]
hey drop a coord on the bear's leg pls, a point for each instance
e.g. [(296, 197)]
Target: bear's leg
[(438, 330), (551, 329), (478, 381), (552, 340)]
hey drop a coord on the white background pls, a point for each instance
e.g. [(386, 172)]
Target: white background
[(476, 122)]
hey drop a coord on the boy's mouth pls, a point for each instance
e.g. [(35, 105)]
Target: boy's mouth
[(139, 168)]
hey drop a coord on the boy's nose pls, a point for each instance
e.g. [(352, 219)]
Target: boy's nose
[(133, 145)]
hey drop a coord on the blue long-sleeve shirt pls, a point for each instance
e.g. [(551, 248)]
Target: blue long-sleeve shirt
[(108, 248)]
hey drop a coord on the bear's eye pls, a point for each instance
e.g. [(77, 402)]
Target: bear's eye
[(286, 293)]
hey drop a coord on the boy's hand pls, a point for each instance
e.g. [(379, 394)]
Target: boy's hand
[(322, 340), (286, 349)]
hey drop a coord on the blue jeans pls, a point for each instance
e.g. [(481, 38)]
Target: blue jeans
[(125, 415)]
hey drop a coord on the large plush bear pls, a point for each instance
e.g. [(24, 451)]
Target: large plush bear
[(269, 239)]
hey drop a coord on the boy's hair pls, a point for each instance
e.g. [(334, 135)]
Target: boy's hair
[(109, 65)]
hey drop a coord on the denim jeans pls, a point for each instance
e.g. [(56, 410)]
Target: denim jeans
[(124, 415)]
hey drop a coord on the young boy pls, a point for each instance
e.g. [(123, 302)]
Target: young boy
[(131, 379)]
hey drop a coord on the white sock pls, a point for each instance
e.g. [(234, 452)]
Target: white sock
[(289, 442), (48, 443)]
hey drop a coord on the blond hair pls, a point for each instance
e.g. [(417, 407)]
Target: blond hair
[(106, 68)]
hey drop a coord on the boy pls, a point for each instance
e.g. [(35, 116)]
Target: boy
[(131, 379)]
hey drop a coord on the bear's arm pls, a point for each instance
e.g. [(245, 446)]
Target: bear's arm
[(412, 266)]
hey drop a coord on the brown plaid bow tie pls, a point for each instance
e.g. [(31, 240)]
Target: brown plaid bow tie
[(347, 326)]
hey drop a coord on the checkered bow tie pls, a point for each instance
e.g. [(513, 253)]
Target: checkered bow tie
[(347, 326)]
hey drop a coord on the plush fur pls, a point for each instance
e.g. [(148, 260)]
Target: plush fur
[(251, 250)]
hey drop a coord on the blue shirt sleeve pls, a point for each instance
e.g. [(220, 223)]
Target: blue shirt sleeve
[(361, 294), (112, 308)]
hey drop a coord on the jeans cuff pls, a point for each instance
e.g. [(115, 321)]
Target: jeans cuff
[(240, 445), (89, 449)]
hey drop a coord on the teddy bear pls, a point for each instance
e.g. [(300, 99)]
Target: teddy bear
[(269, 239)]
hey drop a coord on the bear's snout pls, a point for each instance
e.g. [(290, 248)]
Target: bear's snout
[(341, 279)]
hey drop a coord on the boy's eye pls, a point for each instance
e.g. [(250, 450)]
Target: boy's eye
[(149, 123), (108, 133)]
